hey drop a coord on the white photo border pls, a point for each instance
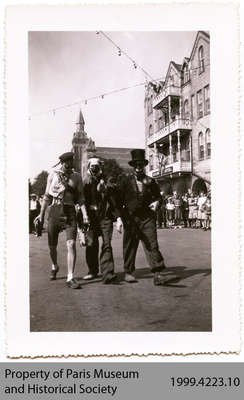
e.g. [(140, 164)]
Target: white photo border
[(224, 45)]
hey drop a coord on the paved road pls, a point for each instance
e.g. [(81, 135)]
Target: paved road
[(184, 304)]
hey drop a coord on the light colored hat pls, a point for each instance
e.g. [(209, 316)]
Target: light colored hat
[(94, 161)]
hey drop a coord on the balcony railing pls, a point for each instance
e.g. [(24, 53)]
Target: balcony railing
[(178, 166), (169, 91), (177, 124)]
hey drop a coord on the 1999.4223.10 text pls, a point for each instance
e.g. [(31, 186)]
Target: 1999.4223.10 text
[(207, 381)]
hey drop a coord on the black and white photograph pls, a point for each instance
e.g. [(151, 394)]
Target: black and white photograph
[(120, 181)]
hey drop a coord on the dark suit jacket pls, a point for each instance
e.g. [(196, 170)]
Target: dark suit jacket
[(132, 200), (105, 203)]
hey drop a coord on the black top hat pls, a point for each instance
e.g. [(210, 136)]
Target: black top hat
[(66, 156), (137, 155)]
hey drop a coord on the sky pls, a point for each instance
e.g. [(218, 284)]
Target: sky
[(69, 67)]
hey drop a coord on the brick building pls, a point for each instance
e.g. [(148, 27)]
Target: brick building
[(177, 123), (84, 147)]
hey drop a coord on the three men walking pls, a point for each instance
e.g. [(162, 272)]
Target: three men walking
[(132, 204)]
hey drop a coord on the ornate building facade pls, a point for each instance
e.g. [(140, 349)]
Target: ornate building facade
[(177, 123)]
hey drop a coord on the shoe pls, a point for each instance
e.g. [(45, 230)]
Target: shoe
[(53, 273), (159, 279), (109, 278), (130, 278), (89, 277), (73, 284)]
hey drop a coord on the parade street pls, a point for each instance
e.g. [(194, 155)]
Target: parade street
[(183, 304)]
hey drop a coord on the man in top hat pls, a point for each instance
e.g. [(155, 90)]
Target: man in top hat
[(140, 197), (64, 191), (102, 211)]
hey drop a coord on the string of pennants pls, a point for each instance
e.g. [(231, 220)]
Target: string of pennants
[(149, 81)]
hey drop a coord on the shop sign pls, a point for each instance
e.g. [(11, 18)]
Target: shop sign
[(155, 173), (168, 170)]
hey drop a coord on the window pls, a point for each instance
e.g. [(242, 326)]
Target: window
[(201, 59), (199, 104), (160, 123), (172, 80), (186, 76), (150, 130), (166, 118), (208, 143), (186, 109), (206, 100), (175, 152), (201, 146), (150, 162), (192, 106)]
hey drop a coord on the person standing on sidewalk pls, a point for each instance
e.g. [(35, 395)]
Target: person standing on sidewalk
[(34, 210), (161, 212), (102, 212), (170, 208), (140, 197), (185, 210), (64, 193), (192, 216), (201, 200), (178, 205), (206, 213)]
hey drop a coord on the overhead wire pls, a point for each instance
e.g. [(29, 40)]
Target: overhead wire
[(121, 51), (86, 100), (102, 95)]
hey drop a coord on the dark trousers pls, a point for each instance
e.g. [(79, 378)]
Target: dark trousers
[(161, 217), (185, 214), (103, 228), (177, 215), (144, 229)]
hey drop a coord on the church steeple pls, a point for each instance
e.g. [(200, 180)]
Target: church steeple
[(80, 124), (81, 146)]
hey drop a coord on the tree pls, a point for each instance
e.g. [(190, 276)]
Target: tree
[(112, 168), (40, 182), (29, 187)]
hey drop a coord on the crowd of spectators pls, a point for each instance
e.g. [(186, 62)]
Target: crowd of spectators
[(175, 211), (185, 211)]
